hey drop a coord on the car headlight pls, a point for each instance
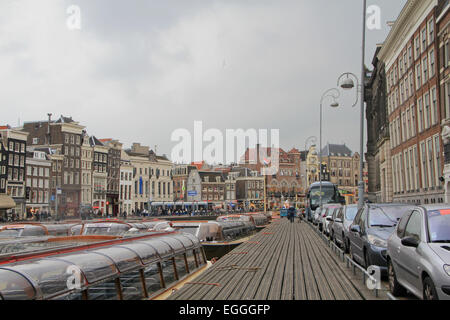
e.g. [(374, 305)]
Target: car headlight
[(447, 269), (378, 242)]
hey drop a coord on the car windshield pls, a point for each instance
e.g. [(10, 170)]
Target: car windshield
[(330, 211), (350, 213), (439, 225), (328, 196), (386, 217)]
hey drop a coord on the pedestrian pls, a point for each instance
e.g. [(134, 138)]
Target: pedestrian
[(291, 214)]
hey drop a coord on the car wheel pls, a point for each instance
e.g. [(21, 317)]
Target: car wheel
[(394, 286), (429, 290), (350, 251), (346, 244), (366, 260)]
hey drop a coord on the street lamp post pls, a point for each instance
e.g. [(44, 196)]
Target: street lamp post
[(335, 96), (348, 84)]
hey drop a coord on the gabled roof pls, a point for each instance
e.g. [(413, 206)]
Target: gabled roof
[(93, 141), (63, 119), (212, 175), (336, 150)]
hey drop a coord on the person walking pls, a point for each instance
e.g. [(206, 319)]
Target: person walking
[(291, 214)]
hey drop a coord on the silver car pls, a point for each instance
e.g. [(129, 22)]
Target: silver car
[(328, 219), (341, 225), (327, 211), (419, 253), (317, 215)]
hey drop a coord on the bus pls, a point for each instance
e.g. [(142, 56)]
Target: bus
[(330, 194)]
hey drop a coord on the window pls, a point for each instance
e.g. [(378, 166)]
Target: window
[(417, 45), (420, 114), (425, 70), (424, 39), (431, 163), (437, 148), (414, 226), (411, 83), (427, 110), (132, 286), (424, 165), (434, 109), (409, 56), (152, 278), (103, 291), (430, 31), (418, 76), (416, 163), (432, 64)]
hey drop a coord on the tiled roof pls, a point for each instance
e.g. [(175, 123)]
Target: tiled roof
[(336, 150)]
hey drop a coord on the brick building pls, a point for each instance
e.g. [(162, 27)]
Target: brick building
[(443, 33), (180, 174), (99, 176), (410, 56), (286, 183), (113, 170), (379, 166), (13, 167), (38, 176), (65, 137), (343, 167)]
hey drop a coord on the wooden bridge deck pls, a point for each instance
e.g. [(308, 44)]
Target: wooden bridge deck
[(285, 261)]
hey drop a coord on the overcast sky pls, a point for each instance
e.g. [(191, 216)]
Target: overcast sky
[(138, 70)]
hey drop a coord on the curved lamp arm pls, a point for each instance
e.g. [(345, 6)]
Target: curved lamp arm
[(312, 138), (358, 86), (329, 93)]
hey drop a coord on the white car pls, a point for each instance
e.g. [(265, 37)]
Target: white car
[(325, 217)]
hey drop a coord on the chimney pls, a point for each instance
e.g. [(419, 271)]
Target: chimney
[(48, 128)]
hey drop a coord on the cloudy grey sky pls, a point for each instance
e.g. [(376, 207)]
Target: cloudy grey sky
[(139, 69)]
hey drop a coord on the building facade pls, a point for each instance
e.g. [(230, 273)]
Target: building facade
[(379, 167), (38, 175), (65, 136), (87, 157), (286, 183), (343, 166), (443, 31), (14, 164), (126, 184), (113, 170), (180, 174), (99, 176), (410, 56)]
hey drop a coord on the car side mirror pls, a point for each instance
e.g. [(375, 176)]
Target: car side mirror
[(410, 242), (355, 228)]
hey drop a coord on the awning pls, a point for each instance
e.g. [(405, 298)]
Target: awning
[(6, 202)]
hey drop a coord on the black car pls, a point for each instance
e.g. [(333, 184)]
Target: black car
[(370, 231)]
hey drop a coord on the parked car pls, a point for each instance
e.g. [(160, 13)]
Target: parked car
[(327, 218), (316, 216), (327, 211), (340, 228), (419, 254), (370, 230)]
